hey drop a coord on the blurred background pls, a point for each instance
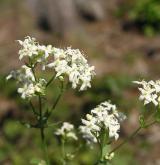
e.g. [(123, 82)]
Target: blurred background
[(121, 38)]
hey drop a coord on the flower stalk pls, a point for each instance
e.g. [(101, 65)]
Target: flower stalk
[(131, 136)]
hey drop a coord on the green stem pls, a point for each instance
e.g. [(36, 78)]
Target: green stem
[(34, 74), (63, 152), (42, 132), (102, 144), (40, 120), (131, 136), (56, 102), (150, 124), (50, 81), (126, 140), (44, 146), (33, 109)]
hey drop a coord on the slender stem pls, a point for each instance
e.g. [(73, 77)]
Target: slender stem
[(50, 81), (34, 74), (102, 144), (131, 136), (44, 146), (56, 102), (40, 120), (40, 108), (42, 132), (33, 108), (150, 124), (63, 151), (126, 140)]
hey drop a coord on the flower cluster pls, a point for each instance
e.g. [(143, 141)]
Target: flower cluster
[(72, 63), (104, 116), (66, 131), (34, 51), (150, 91), (65, 62), (29, 86)]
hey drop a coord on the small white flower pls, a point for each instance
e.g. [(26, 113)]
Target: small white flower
[(105, 116), (32, 89), (27, 91), (35, 52), (29, 87), (59, 53), (150, 91), (86, 132), (72, 63), (66, 131), (23, 75), (29, 47)]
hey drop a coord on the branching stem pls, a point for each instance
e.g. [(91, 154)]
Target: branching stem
[(131, 136)]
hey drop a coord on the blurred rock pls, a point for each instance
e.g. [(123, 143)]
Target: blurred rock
[(91, 10), (61, 16)]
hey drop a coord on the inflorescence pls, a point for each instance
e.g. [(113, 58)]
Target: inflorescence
[(66, 131), (104, 116), (150, 91), (68, 62)]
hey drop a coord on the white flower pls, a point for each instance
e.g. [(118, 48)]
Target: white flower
[(87, 134), (72, 63), (29, 87), (59, 53), (46, 50), (66, 131), (29, 47), (23, 75), (65, 62), (27, 91), (35, 52), (44, 53), (32, 89), (150, 91), (104, 116)]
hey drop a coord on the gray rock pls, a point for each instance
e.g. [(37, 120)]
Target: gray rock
[(61, 16), (91, 9)]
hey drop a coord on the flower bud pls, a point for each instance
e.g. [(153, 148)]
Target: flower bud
[(109, 156), (89, 117), (61, 78)]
